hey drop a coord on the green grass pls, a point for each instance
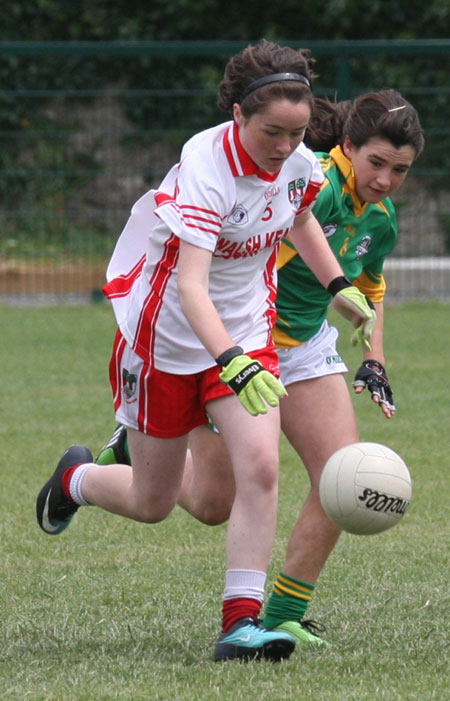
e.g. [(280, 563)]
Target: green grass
[(113, 609)]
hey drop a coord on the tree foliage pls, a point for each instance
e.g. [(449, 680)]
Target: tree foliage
[(53, 20), (421, 78)]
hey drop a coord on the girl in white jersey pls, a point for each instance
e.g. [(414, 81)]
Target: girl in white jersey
[(193, 285)]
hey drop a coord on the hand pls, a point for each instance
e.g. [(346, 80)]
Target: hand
[(372, 375), (252, 383), (354, 306), (364, 332), (357, 308)]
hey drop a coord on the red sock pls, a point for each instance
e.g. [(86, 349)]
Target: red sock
[(234, 609), (65, 481)]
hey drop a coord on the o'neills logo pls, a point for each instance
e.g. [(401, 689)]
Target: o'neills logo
[(250, 370), (238, 383), (377, 501)]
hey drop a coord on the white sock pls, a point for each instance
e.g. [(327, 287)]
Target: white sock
[(76, 482), (248, 584)]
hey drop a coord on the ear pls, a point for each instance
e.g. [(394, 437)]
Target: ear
[(237, 114), (348, 148)]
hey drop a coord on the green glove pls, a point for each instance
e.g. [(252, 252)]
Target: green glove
[(354, 306), (363, 333), (252, 383)]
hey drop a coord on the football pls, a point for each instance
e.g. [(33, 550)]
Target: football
[(365, 488)]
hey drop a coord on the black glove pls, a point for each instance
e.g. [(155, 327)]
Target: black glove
[(372, 375)]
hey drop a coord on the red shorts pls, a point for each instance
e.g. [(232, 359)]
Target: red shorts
[(163, 404)]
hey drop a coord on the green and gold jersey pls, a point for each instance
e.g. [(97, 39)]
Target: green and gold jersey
[(360, 235)]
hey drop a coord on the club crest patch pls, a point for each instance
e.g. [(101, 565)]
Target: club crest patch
[(296, 191), (129, 383), (238, 216), (363, 246), (329, 229)]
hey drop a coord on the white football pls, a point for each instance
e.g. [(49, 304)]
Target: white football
[(365, 488)]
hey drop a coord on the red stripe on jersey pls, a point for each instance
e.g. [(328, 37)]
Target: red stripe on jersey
[(249, 167), (162, 198), (143, 400), (229, 154), (144, 339), (186, 217), (310, 196), (271, 313), (239, 160), (114, 369), (190, 219), (200, 209), (121, 286)]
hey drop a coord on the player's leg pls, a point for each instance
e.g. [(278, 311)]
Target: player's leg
[(317, 418), (252, 444), (208, 488), (149, 489), (146, 492), (316, 438)]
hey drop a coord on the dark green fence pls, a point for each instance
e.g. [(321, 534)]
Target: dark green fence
[(87, 127)]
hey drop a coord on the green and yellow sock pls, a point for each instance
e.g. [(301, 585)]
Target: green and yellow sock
[(288, 601)]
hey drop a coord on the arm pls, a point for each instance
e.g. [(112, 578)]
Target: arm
[(193, 275), (248, 379), (310, 241), (312, 245), (377, 352)]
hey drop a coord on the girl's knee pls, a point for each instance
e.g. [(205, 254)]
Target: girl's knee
[(152, 510), (264, 472)]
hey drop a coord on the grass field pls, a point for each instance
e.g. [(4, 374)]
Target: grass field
[(112, 609)]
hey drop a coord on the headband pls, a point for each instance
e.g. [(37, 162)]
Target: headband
[(274, 78)]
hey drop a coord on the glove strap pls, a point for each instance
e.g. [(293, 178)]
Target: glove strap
[(238, 382), (228, 355), (376, 366), (338, 284)]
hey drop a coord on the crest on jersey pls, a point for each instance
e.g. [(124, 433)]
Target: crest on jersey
[(296, 190), (238, 216), (363, 246), (129, 383), (329, 230)]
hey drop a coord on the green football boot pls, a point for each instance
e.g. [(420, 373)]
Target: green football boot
[(116, 450), (304, 632)]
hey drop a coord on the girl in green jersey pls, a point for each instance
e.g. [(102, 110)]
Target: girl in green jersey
[(366, 148)]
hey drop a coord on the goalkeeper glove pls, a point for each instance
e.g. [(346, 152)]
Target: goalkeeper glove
[(356, 307), (372, 375), (250, 381)]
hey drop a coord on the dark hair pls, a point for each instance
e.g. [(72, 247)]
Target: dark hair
[(254, 62), (384, 114)]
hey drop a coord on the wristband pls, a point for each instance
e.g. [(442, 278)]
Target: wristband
[(228, 355), (338, 284)]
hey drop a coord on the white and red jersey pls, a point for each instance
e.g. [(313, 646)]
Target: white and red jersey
[(219, 199)]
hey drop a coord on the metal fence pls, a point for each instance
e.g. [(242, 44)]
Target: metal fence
[(77, 150)]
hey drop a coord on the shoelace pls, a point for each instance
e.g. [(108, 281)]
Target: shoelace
[(313, 627)]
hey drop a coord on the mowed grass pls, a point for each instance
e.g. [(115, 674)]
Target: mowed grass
[(112, 609)]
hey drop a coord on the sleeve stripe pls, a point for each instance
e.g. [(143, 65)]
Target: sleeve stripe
[(200, 209), (311, 194)]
